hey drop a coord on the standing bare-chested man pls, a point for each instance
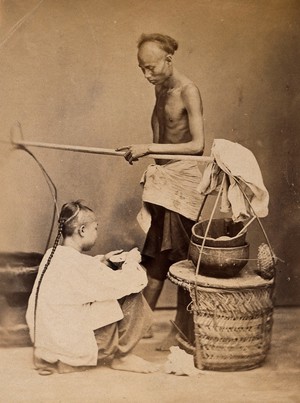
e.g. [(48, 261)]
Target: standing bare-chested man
[(170, 194)]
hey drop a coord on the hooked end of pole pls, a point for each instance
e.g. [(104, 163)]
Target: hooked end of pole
[(16, 134)]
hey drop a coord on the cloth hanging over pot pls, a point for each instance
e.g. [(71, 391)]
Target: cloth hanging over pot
[(243, 173)]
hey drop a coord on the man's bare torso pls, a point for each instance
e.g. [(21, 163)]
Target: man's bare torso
[(172, 115)]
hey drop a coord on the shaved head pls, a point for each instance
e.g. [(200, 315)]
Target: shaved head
[(150, 52)]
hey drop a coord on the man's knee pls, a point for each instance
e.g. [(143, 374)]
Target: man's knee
[(154, 284), (157, 268)]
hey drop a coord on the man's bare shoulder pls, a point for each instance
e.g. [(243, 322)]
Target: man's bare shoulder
[(191, 96), (190, 88), (190, 92)]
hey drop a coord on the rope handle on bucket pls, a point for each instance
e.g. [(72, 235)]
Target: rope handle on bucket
[(274, 258), (208, 225)]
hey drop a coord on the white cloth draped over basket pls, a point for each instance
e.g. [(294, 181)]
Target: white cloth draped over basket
[(242, 172)]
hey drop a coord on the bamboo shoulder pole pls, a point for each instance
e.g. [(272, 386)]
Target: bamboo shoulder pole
[(16, 129)]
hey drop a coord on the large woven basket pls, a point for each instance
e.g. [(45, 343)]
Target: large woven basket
[(232, 318)]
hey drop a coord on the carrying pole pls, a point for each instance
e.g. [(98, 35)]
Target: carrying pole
[(17, 140)]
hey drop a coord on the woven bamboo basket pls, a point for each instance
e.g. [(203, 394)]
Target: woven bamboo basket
[(232, 318)]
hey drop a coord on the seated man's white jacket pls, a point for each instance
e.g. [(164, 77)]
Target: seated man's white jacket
[(78, 294)]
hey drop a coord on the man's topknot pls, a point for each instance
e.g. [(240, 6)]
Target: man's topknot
[(166, 43)]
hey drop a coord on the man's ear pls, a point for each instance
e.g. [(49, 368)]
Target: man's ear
[(81, 230), (169, 58)]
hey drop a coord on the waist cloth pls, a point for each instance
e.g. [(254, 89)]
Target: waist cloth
[(171, 204)]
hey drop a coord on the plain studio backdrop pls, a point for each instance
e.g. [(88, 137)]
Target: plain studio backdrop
[(69, 74)]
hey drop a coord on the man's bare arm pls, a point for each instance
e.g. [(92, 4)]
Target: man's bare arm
[(155, 126), (192, 103)]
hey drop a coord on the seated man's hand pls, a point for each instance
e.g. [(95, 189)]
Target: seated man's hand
[(134, 254), (105, 258), (112, 253)]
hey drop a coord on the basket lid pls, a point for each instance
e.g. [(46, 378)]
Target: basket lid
[(184, 271)]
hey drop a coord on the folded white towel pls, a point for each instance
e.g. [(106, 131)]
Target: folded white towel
[(240, 165)]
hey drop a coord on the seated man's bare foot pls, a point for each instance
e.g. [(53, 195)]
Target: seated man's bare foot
[(133, 363), (40, 363), (63, 368), (44, 367), (169, 341)]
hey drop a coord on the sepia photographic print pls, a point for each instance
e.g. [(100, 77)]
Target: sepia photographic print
[(149, 204)]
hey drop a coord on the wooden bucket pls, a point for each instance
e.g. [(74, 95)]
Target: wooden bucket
[(232, 318)]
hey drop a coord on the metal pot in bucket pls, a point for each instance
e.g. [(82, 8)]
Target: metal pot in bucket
[(225, 251), (220, 262)]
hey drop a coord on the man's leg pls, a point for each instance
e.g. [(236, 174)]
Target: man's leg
[(153, 291), (170, 234), (184, 319), (122, 336), (135, 324), (157, 269), (119, 339), (180, 234)]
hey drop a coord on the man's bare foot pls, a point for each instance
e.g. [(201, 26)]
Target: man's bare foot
[(44, 367), (133, 363), (169, 341), (63, 368), (40, 363)]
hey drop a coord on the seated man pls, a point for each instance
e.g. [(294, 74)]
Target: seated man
[(81, 311)]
